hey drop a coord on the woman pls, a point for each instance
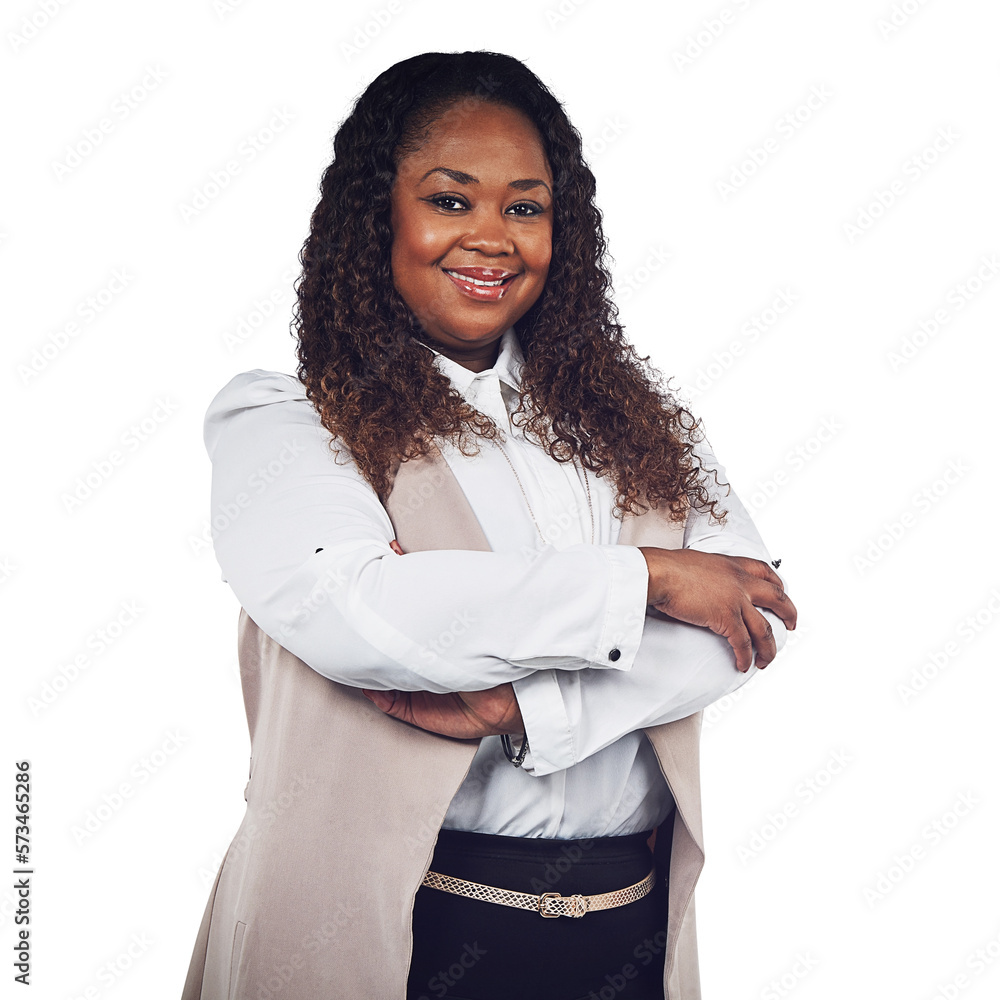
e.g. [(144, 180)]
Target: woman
[(487, 585)]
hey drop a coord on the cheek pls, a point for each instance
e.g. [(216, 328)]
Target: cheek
[(538, 253), (421, 241), (409, 259)]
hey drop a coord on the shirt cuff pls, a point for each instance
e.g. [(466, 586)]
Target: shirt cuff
[(546, 724), (626, 614)]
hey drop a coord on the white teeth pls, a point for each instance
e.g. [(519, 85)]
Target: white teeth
[(476, 281)]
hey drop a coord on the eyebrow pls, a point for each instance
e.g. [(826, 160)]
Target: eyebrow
[(460, 177)]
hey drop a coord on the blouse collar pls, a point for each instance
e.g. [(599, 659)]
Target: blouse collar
[(507, 367)]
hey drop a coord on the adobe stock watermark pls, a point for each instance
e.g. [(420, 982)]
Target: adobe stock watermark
[(562, 12), (932, 835), (923, 500), (431, 650), (206, 873), (796, 459), (955, 300), (31, 25), (331, 585), (898, 16), (264, 816), (804, 794), (227, 512), (609, 134), (617, 981), (712, 28), (146, 767), (554, 870), (87, 311), (261, 310), (223, 8), (978, 961), (719, 710), (632, 282), (121, 108), (282, 974), (109, 973), (441, 983), (9, 907), (422, 830), (367, 31), (970, 628), (204, 195), (97, 642), (129, 442), (760, 323), (913, 168), (758, 154), (781, 986)]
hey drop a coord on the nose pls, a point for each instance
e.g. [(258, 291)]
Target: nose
[(488, 233)]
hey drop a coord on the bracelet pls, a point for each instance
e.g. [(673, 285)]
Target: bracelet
[(509, 752)]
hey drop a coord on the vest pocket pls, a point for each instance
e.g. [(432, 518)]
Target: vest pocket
[(234, 965)]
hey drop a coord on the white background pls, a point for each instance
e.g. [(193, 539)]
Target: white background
[(873, 481)]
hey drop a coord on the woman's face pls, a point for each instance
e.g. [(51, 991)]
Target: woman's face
[(474, 202)]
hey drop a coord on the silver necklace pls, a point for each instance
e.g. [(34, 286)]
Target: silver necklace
[(585, 480)]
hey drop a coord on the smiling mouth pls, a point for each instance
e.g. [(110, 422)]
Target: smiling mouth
[(480, 289), (479, 281)]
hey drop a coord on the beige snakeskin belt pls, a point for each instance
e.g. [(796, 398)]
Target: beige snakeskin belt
[(548, 904)]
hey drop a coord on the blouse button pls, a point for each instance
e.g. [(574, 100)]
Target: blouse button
[(614, 654)]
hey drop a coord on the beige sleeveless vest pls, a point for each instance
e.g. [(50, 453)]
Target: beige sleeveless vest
[(313, 899)]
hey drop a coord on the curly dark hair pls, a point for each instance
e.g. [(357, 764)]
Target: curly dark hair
[(585, 392)]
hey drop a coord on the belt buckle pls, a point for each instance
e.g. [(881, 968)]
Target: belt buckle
[(576, 904)]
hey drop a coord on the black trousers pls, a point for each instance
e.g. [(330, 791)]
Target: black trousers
[(467, 949)]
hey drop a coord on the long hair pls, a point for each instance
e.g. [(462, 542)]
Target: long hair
[(585, 392)]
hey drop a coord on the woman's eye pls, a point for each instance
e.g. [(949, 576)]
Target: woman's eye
[(438, 199), (532, 208)]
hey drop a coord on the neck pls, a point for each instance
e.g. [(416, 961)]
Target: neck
[(475, 357)]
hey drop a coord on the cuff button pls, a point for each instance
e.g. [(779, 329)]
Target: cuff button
[(614, 654)]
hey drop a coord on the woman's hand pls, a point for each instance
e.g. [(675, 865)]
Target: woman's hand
[(719, 592), (462, 714)]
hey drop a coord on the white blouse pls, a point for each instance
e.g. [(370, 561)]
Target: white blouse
[(304, 544)]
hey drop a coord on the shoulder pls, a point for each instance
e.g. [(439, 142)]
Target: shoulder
[(257, 387), (248, 393)]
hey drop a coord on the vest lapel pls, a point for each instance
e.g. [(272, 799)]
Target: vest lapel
[(428, 508)]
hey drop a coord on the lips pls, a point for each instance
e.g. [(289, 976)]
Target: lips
[(485, 284), (488, 274)]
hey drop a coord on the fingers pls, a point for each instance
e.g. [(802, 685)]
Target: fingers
[(762, 635), (734, 630), (765, 589), (383, 700), (749, 632), (765, 595)]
